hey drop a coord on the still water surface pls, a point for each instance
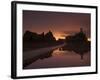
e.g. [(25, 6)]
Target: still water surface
[(61, 58)]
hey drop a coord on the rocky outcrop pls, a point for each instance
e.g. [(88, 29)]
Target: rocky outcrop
[(34, 37)]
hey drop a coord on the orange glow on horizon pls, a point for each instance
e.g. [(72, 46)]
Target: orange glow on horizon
[(59, 36)]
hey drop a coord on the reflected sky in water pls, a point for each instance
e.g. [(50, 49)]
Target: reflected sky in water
[(61, 58)]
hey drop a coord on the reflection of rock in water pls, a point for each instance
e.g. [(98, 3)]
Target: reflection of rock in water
[(79, 48), (43, 56), (46, 55), (77, 43)]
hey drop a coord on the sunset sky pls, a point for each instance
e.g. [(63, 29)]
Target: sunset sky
[(60, 23)]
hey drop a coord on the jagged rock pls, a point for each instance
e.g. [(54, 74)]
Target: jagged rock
[(49, 37), (34, 37), (78, 37)]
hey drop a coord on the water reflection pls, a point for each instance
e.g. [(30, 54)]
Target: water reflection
[(80, 48), (34, 59), (67, 51)]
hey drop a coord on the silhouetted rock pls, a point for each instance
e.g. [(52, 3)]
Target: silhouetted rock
[(77, 43), (31, 36), (79, 37), (49, 37), (34, 37)]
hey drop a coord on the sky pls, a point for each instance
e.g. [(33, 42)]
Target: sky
[(60, 23)]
